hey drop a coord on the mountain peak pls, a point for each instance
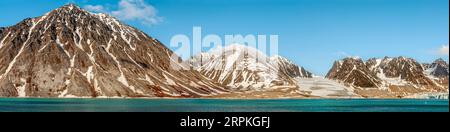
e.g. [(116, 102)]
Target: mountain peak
[(353, 59), (70, 52), (353, 71), (278, 57), (70, 6), (440, 60), (243, 67), (439, 68)]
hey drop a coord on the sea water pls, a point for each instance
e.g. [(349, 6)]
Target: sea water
[(221, 105)]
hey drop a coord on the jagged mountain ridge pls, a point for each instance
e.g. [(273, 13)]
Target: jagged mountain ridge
[(242, 67), (397, 71), (353, 71), (395, 77), (438, 71), (70, 52), (290, 68), (439, 68)]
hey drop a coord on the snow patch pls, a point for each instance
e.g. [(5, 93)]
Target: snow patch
[(62, 46), (78, 43), (128, 40), (170, 81), (64, 93), (90, 74), (1, 43), (21, 89)]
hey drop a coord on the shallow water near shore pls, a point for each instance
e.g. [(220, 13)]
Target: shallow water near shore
[(221, 105)]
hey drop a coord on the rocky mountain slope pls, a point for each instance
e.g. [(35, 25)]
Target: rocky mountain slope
[(438, 71), (355, 72), (391, 77), (244, 68), (438, 68), (289, 68), (70, 52)]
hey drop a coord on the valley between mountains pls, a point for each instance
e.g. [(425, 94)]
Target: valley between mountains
[(72, 53)]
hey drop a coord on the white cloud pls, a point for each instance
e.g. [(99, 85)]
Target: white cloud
[(347, 55), (137, 10), (95, 8), (131, 10), (443, 50)]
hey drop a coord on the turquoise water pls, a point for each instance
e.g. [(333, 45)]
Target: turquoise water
[(221, 105)]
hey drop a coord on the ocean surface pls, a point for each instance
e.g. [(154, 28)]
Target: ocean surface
[(221, 105)]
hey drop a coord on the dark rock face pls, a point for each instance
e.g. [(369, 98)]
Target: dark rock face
[(1, 30), (439, 72), (353, 71), (438, 68), (70, 52)]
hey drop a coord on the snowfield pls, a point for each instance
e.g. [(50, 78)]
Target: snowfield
[(322, 87)]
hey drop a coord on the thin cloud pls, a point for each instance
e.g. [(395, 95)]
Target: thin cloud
[(95, 8), (443, 50), (131, 10)]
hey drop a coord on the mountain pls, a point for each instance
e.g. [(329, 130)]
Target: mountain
[(438, 68), (399, 70), (394, 77), (290, 68), (242, 67), (438, 71), (353, 71), (70, 52)]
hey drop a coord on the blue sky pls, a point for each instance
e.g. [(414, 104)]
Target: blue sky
[(312, 33)]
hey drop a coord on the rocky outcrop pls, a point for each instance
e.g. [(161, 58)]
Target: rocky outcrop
[(70, 52)]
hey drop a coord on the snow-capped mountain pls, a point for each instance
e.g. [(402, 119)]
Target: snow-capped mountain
[(438, 68), (70, 52), (290, 68), (438, 71), (354, 72), (242, 67), (398, 76), (399, 71)]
